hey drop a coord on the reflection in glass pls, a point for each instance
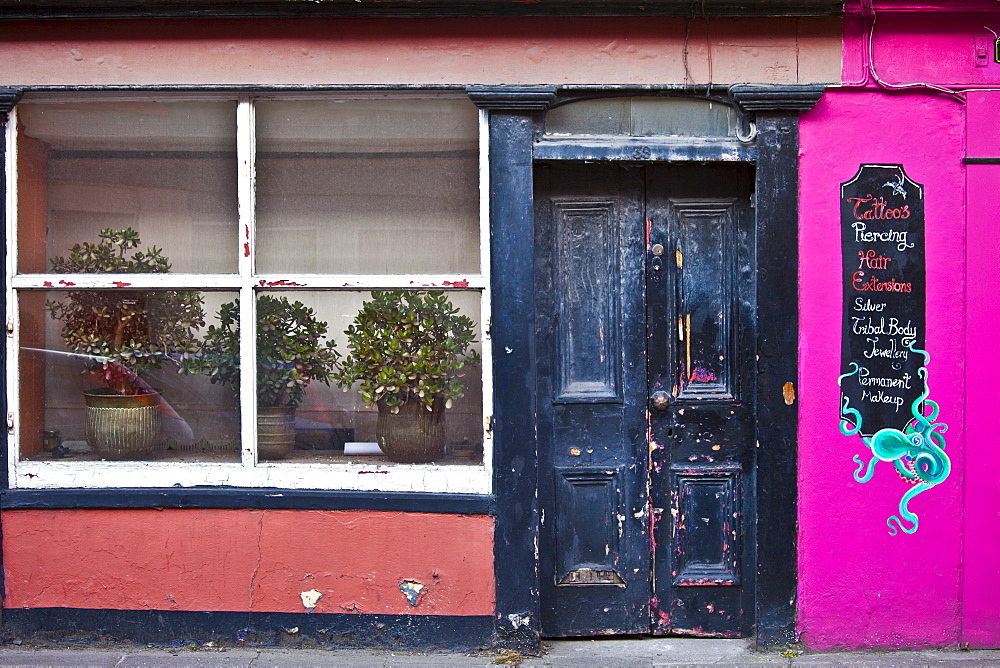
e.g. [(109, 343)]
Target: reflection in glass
[(106, 374), (165, 169), (292, 352), (367, 186)]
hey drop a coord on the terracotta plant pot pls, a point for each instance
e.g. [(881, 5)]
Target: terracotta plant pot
[(122, 426), (414, 434), (275, 431)]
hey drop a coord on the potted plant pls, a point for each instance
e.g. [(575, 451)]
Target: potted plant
[(290, 354), (408, 352), (121, 335)]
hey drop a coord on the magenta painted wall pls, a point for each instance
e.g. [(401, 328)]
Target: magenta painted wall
[(915, 43), (859, 586)]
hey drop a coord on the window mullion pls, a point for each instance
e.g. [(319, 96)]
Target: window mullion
[(248, 307), (371, 281), (248, 377), (131, 281), (484, 193), (11, 314), (485, 309), (11, 201)]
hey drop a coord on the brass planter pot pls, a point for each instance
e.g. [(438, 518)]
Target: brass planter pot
[(413, 435), (123, 427), (275, 431)]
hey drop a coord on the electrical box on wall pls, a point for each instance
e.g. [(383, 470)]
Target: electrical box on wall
[(984, 48), (987, 49)]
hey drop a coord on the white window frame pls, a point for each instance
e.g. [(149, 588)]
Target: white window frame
[(248, 472)]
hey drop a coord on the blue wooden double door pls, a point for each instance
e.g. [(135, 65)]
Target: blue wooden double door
[(646, 422)]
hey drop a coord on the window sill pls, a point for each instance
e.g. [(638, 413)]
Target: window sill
[(343, 473), (246, 498)]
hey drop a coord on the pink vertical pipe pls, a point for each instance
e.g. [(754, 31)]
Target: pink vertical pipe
[(981, 536)]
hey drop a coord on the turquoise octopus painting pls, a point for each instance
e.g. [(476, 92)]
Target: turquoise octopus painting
[(916, 452)]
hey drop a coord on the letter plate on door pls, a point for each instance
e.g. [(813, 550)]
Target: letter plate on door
[(588, 576)]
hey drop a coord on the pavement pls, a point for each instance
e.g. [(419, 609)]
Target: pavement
[(605, 652)]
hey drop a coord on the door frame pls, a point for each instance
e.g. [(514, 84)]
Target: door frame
[(514, 113)]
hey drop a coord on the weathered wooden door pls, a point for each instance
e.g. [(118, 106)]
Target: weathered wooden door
[(646, 421)]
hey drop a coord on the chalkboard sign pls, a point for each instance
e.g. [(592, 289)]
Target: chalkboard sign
[(882, 232)]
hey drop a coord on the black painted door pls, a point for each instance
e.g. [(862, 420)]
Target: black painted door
[(644, 298)]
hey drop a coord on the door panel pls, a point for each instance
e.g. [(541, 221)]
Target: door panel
[(588, 280), (590, 336), (700, 352), (707, 528), (705, 239), (587, 506), (644, 285)]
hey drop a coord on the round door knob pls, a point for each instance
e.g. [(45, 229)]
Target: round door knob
[(660, 400)]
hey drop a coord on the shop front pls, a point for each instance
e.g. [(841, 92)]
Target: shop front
[(599, 257)]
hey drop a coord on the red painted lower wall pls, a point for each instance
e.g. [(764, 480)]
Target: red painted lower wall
[(248, 560)]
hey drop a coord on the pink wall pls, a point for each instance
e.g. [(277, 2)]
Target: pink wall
[(248, 560), (860, 587)]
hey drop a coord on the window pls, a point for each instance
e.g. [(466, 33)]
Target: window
[(642, 117), (157, 243)]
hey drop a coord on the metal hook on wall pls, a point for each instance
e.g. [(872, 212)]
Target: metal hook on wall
[(751, 134)]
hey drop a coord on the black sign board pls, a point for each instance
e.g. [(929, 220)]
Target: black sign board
[(882, 231)]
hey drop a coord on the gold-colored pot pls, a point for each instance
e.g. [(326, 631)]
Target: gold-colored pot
[(122, 426)]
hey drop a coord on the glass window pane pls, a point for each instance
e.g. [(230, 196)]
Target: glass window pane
[(164, 169), (367, 186), (83, 352), (608, 116), (326, 417), (680, 117), (642, 117)]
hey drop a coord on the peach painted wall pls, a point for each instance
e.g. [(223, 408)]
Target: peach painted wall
[(860, 587), (248, 560), (419, 51)]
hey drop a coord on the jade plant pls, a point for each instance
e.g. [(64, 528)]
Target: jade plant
[(290, 350), (122, 334), (407, 347)]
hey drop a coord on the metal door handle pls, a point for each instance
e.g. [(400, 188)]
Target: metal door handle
[(660, 400)]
